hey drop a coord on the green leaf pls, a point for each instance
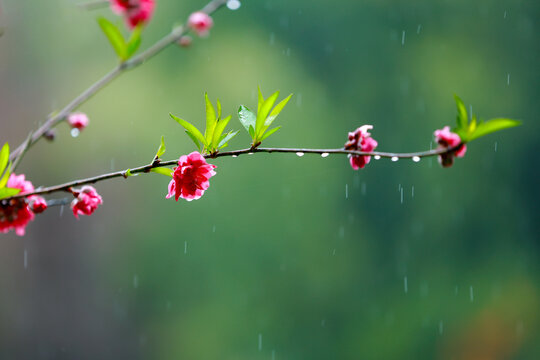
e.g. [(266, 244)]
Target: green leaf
[(7, 192), (264, 111), (161, 149), (194, 139), (260, 99), (273, 115), (270, 132), (491, 126), (220, 127), (128, 173), (163, 171), (134, 41), (226, 139), (247, 118), (4, 157), (210, 120), (5, 177), (115, 37), (192, 129), (252, 132), (218, 109), (462, 118)]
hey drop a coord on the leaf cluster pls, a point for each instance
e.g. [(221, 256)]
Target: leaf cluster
[(215, 137), (473, 129), (124, 49), (257, 125), (5, 172)]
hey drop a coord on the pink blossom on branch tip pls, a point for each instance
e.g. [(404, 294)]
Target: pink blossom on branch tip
[(360, 140), (200, 22), (191, 177), (135, 12), (17, 213), (447, 139), (78, 120), (86, 201)]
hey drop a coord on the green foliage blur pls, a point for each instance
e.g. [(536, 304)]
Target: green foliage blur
[(284, 257)]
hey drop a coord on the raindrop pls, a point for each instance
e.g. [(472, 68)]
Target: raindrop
[(185, 247), (341, 232), (233, 4), (405, 285), (346, 191), (419, 28), (504, 16), (416, 158), (402, 195), (214, 228), (61, 210), (323, 322), (456, 290), (395, 158), (471, 114), (508, 79), (334, 252), (495, 146), (324, 155), (412, 191), (440, 327), (135, 281), (273, 354), (471, 293), (288, 52), (377, 157), (260, 342), (235, 156), (300, 153), (25, 259), (250, 153), (75, 132), (403, 37)]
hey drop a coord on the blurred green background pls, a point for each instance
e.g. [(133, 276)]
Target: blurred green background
[(284, 257)]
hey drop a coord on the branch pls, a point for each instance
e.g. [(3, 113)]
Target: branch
[(155, 164), (161, 44)]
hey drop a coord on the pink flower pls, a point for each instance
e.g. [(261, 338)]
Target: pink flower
[(447, 139), (78, 120), (200, 23), (190, 178), (86, 201), (38, 205), (360, 140), (135, 11), (16, 213)]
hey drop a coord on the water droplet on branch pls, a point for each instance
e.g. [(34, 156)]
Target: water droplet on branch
[(300, 154), (416, 158), (324, 155)]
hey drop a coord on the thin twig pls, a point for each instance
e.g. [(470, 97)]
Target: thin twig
[(25, 145), (161, 44), (298, 151)]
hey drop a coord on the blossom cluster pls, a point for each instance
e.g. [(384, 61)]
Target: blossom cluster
[(135, 12)]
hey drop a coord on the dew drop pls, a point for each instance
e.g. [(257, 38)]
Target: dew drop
[(324, 155), (416, 158), (235, 156), (250, 153), (300, 153), (233, 4), (395, 158), (377, 157), (75, 132)]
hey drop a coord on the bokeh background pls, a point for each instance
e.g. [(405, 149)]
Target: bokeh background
[(284, 257)]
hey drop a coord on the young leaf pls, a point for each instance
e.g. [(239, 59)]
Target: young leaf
[(247, 118), (220, 127), (493, 125), (252, 132), (226, 139), (275, 112), (134, 41), (115, 37), (190, 128), (5, 177), (260, 99), (4, 157), (462, 118), (161, 149), (163, 171), (128, 173), (210, 120), (7, 192), (218, 109), (264, 111), (194, 139), (270, 132)]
